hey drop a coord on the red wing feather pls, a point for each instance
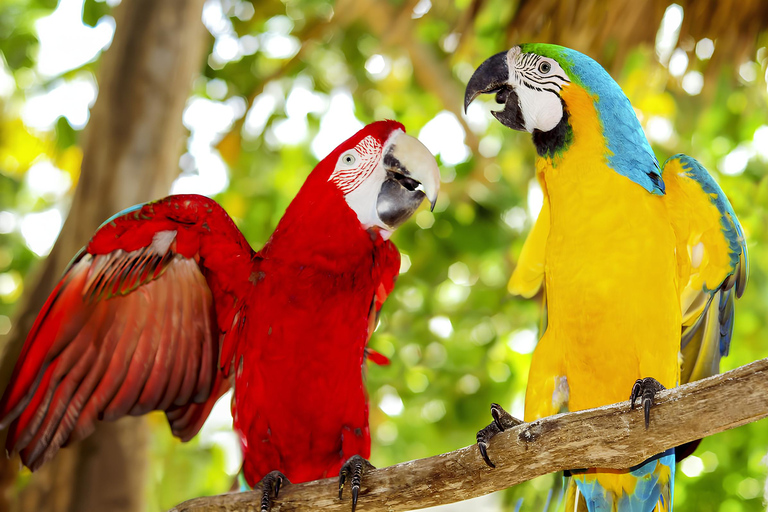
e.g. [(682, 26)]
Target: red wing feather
[(131, 328), (387, 268), (187, 420)]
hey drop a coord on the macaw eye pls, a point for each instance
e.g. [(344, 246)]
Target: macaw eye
[(545, 67), (348, 159)]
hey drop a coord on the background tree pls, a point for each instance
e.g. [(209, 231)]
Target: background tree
[(130, 149), (283, 82)]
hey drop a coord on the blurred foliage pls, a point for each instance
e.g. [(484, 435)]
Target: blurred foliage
[(457, 340)]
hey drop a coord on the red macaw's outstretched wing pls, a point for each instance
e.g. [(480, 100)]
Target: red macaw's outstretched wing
[(137, 323)]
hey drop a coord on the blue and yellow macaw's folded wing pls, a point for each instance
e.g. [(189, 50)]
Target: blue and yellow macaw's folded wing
[(712, 261), (528, 276)]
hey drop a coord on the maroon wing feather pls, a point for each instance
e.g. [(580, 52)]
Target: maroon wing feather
[(136, 324)]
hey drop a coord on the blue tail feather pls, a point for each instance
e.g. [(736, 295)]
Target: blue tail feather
[(654, 485)]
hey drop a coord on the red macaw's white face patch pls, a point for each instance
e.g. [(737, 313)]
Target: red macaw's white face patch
[(356, 165), (394, 175)]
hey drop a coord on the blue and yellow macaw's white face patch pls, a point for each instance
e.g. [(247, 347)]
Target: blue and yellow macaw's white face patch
[(537, 81)]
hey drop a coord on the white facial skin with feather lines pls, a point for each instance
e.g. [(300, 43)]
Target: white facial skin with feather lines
[(537, 82), (363, 172)]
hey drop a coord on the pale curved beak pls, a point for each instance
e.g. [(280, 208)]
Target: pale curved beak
[(412, 175)]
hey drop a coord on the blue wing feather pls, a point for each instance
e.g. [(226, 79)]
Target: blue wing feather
[(121, 213)]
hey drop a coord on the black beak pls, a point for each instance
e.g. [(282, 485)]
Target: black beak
[(412, 176), (399, 197), (493, 76)]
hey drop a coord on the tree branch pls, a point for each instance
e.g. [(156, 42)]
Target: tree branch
[(608, 437)]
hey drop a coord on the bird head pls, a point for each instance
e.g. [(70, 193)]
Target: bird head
[(384, 175), (528, 80), (558, 95)]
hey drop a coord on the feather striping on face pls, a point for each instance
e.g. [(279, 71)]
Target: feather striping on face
[(385, 176), (356, 165)]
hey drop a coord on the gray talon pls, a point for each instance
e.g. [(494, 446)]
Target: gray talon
[(502, 421), (354, 469), (271, 483), (645, 389)]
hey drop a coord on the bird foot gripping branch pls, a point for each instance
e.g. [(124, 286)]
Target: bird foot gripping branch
[(353, 470), (271, 484), (502, 421), (645, 389)]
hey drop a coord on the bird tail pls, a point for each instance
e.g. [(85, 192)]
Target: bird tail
[(648, 487), (574, 500)]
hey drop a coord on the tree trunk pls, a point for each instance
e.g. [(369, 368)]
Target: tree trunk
[(131, 148)]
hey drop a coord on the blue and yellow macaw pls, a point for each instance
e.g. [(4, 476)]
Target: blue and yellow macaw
[(629, 256)]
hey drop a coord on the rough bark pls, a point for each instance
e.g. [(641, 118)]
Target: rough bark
[(608, 437), (131, 148)]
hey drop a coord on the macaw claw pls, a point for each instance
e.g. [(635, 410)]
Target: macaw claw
[(353, 469), (502, 421), (271, 482), (646, 389)]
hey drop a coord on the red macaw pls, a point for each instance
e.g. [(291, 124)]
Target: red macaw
[(168, 306)]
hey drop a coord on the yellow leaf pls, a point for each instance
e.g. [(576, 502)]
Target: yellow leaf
[(70, 161), (19, 149), (229, 147)]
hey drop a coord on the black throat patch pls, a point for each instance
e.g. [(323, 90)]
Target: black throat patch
[(550, 144)]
